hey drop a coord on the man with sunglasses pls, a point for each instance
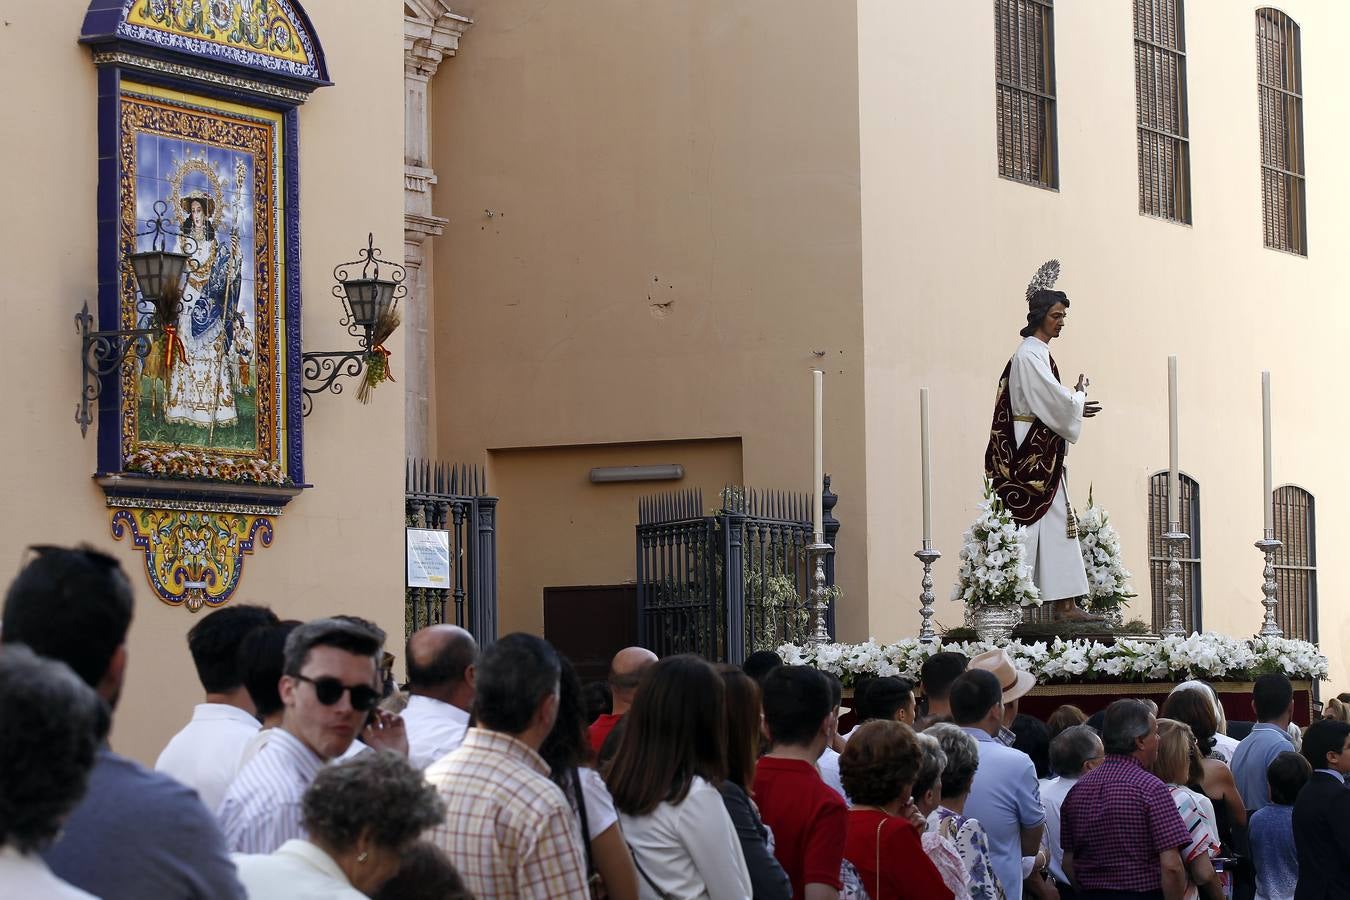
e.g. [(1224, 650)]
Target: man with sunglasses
[(328, 689)]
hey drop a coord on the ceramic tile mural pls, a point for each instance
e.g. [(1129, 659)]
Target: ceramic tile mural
[(255, 32), (204, 403)]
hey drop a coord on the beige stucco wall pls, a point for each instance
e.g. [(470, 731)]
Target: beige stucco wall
[(675, 233), (948, 248), (339, 547)]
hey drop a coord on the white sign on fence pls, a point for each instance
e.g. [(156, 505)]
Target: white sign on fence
[(428, 558)]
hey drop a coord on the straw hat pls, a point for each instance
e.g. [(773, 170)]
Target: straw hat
[(1014, 681)]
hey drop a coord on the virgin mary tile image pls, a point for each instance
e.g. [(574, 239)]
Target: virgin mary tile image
[(203, 402)]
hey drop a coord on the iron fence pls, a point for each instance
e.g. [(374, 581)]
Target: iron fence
[(454, 498), (726, 582)]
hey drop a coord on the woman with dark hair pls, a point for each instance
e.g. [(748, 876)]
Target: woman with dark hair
[(567, 750), (1216, 780), (664, 779), (878, 768), (744, 715), (1032, 737), (424, 873), (361, 816)]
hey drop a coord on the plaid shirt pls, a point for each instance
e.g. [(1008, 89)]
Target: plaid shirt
[(1116, 821), (508, 828)]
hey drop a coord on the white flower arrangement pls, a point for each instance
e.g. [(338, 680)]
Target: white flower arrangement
[(993, 570), (1108, 579), (1209, 656)]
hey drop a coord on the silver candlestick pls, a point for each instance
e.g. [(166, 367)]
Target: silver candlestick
[(819, 593), (927, 556), (1268, 545), (1175, 539)]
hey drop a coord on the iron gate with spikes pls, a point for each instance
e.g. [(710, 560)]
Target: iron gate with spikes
[(454, 498), (726, 582)]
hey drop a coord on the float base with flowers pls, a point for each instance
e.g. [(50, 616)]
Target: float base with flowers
[(1090, 674)]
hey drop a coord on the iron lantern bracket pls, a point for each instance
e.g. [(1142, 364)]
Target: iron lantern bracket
[(101, 354)]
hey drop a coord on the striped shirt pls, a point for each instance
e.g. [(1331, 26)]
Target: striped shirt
[(261, 810), (508, 827)]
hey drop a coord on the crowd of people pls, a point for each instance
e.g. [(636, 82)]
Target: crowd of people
[(306, 772)]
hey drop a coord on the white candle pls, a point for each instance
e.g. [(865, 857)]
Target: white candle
[(925, 453), (1267, 483), (1173, 476), (818, 472)]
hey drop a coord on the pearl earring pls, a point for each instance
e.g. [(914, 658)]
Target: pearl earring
[(362, 856)]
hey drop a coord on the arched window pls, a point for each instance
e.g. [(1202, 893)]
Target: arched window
[(1024, 85), (1279, 75), (1160, 107), (1190, 554), (1296, 562)]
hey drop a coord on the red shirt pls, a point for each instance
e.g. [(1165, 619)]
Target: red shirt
[(906, 871), (601, 728), (809, 821)]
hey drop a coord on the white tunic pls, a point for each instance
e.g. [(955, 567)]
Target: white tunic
[(1033, 390)]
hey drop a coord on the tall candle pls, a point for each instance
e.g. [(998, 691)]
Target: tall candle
[(1267, 483), (818, 473), (1173, 476), (925, 453)]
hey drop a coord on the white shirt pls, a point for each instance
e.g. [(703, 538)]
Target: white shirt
[(261, 810), (828, 766), (1033, 390), (434, 729), (690, 851), (1053, 792), (204, 755), (1224, 748), (26, 875), (600, 812), (298, 870)]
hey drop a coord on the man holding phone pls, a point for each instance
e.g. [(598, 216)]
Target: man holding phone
[(329, 689)]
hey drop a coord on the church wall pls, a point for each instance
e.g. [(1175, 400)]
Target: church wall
[(336, 548), (948, 248), (673, 236)]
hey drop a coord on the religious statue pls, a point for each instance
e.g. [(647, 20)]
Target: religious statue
[(1034, 417)]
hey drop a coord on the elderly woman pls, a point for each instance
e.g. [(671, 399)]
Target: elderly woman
[(362, 816), (949, 820), (878, 769), (927, 794), (50, 722)]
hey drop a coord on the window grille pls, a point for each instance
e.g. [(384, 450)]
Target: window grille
[(1190, 552), (1160, 107), (1296, 562), (1024, 72), (1280, 91)]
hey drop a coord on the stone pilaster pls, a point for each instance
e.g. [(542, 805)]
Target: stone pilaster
[(431, 32)]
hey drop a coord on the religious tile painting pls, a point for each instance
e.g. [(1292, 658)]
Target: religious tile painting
[(204, 403), (252, 32)]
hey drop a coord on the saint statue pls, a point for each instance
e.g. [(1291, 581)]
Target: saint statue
[(201, 388), (1035, 416)]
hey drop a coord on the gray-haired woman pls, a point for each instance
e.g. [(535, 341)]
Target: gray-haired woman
[(927, 795), (949, 820), (361, 816)]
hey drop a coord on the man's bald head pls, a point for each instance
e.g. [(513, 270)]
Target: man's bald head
[(625, 671), (441, 660)]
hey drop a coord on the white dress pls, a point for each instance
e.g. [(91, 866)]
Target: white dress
[(1034, 391)]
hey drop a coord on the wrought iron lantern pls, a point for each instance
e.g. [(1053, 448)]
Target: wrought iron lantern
[(161, 279), (370, 307)]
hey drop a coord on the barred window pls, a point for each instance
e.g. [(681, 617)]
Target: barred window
[(1296, 562), (1024, 73), (1190, 553), (1160, 107), (1279, 72)]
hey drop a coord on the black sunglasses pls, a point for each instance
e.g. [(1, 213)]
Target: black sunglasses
[(330, 690)]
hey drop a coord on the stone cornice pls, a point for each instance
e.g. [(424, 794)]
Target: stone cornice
[(430, 34)]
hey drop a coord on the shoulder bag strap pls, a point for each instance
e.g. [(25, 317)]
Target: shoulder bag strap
[(585, 825), (643, 872), (880, 825)]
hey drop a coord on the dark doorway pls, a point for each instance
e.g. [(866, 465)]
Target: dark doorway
[(590, 624)]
